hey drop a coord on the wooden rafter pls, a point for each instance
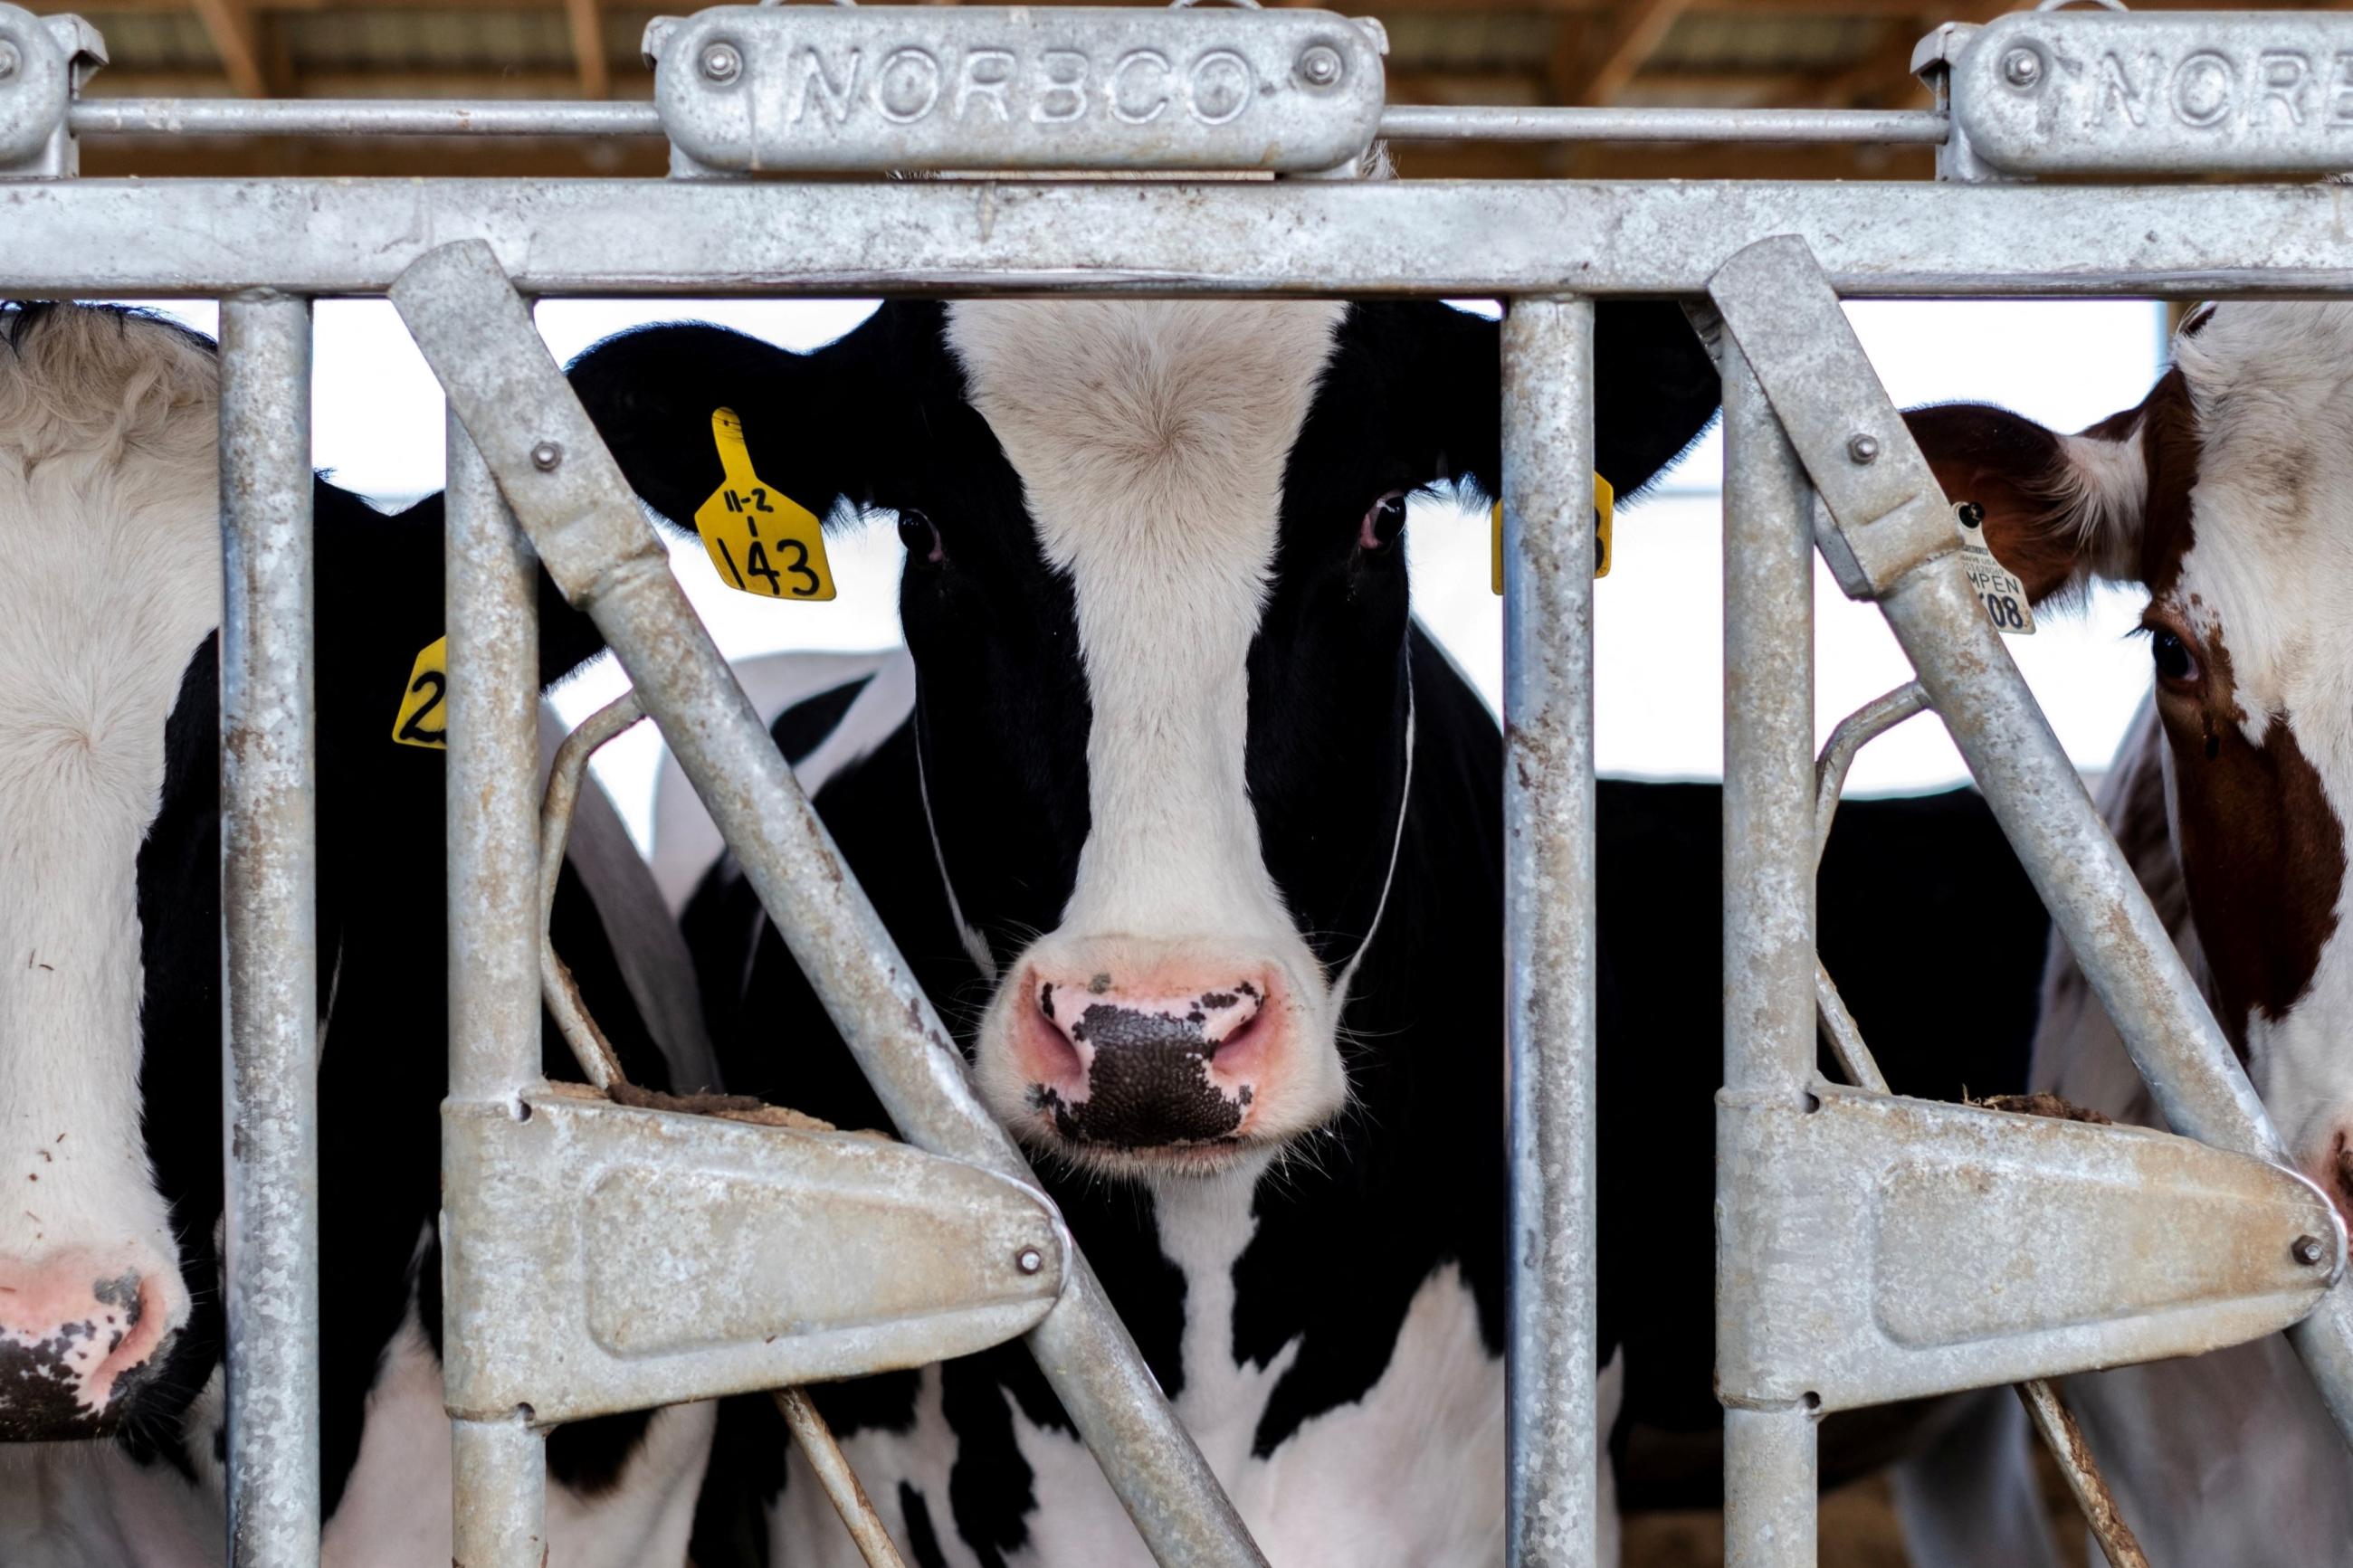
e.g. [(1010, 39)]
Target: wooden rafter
[(1634, 36), (236, 34), (585, 19)]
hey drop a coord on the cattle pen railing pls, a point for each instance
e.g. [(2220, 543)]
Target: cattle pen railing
[(2250, 96)]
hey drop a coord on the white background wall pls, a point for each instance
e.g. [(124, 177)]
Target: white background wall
[(377, 426)]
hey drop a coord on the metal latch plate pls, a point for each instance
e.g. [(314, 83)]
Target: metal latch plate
[(781, 89), (2103, 92), (1895, 1247), (615, 1258)]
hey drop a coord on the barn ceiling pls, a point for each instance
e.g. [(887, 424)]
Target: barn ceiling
[(1793, 53)]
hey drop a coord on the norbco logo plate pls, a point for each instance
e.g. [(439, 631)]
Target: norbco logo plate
[(2094, 91), (746, 88)]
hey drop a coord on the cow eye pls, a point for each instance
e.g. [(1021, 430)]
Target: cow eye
[(917, 532), (2172, 656), (1383, 523)]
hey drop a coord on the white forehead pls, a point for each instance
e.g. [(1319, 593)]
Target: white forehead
[(1155, 425), (2270, 564), (109, 549)]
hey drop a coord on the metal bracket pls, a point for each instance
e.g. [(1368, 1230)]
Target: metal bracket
[(1889, 514), (767, 89), (44, 63), (601, 1258), (2117, 95), (1893, 1247)]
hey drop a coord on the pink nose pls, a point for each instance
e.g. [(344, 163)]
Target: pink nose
[(75, 1330), (1157, 1058)]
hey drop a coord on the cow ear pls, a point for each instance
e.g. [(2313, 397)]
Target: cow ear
[(818, 426), (1655, 391), (2058, 510)]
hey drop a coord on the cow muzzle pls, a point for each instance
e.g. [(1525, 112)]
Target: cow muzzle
[(1180, 1058), (80, 1336)]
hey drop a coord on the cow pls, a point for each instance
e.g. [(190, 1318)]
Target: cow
[(1195, 837), (2219, 496), (112, 1416)]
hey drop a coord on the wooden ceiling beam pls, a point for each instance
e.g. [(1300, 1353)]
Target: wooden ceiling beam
[(236, 34), (585, 19), (1633, 38)]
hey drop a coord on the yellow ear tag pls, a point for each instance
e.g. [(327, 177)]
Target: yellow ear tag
[(1605, 503), (762, 540), (422, 720)]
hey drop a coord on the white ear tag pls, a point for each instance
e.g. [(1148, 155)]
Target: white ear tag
[(1997, 588)]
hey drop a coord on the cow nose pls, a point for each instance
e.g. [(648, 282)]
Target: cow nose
[(78, 1334), (1161, 1059)]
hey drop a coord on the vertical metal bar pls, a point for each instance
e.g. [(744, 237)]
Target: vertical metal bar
[(269, 903), (490, 594), (499, 1468), (1547, 364), (1769, 897)]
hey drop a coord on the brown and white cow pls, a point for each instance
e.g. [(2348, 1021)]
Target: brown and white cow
[(2228, 495)]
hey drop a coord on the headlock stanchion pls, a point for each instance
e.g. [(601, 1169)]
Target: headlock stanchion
[(1858, 1231), (476, 332)]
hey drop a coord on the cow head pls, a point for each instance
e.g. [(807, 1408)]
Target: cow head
[(2228, 495), (109, 588), (1156, 595)]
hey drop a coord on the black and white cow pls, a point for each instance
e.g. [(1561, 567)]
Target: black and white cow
[(1195, 837), (110, 1326)]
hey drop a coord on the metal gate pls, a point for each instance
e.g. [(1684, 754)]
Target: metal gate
[(1812, 1196)]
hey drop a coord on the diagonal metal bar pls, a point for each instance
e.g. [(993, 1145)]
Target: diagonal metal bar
[(563, 485), (1891, 540)]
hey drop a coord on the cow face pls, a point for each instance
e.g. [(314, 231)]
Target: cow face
[(2228, 495), (110, 587), (1156, 599)]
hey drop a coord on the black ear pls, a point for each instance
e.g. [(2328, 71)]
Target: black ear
[(821, 426), (1655, 387)]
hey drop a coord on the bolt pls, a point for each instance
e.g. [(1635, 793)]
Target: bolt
[(1862, 448), (2306, 1249), (1320, 66), (9, 60), (545, 455), (1029, 1259), (2021, 68), (722, 63)]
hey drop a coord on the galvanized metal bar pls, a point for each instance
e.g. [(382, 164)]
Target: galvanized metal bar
[(600, 119), (269, 906), (493, 616), (1307, 237), (815, 1440), (559, 996), (1768, 907), (476, 334), (1853, 733), (501, 1471), (358, 117), (2056, 1425), (1770, 1479), (1547, 358), (1859, 127)]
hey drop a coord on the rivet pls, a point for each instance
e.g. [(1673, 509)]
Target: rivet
[(1320, 66), (1862, 448), (722, 63), (9, 60), (2307, 1249), (2021, 68), (545, 455), (1029, 1259)]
